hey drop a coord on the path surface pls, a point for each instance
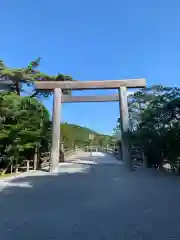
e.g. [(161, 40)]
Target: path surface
[(91, 198)]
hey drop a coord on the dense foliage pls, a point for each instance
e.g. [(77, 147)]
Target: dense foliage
[(24, 121), (155, 123), (23, 127)]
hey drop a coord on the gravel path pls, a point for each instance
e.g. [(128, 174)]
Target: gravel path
[(91, 198)]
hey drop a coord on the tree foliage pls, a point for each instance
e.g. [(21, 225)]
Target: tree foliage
[(23, 125), (154, 119), (28, 75)]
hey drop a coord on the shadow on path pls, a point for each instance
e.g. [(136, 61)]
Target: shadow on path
[(86, 201)]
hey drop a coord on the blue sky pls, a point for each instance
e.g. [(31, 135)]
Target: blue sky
[(94, 40)]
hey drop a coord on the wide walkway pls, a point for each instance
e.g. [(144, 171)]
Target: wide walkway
[(91, 198)]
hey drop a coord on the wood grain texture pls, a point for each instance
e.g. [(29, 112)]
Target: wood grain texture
[(54, 158), (80, 99), (78, 85), (125, 128)]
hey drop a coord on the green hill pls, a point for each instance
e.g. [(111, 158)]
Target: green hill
[(72, 134)]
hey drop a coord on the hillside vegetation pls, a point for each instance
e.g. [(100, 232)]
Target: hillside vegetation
[(72, 134)]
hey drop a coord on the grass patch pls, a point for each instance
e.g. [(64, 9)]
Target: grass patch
[(8, 175)]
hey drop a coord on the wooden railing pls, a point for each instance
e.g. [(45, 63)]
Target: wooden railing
[(99, 149), (45, 157), (113, 152), (109, 150), (24, 166), (44, 161), (136, 156), (91, 148)]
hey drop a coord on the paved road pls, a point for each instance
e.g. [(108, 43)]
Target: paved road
[(91, 199)]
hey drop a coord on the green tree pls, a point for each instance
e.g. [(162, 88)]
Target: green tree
[(28, 75), (23, 125), (154, 116)]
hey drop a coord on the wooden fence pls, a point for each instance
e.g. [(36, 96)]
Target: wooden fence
[(42, 162), (45, 157)]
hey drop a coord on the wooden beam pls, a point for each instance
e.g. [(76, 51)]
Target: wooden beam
[(86, 85), (100, 98)]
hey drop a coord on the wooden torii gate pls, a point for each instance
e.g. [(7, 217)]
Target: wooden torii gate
[(59, 98)]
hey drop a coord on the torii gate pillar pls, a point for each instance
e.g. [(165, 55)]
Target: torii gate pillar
[(55, 147), (125, 128)]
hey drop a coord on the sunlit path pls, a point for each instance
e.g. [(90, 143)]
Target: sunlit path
[(93, 158), (91, 197)]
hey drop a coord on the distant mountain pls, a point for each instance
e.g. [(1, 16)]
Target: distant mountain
[(72, 134)]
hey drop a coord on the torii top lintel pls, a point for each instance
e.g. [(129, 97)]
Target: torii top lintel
[(86, 85)]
